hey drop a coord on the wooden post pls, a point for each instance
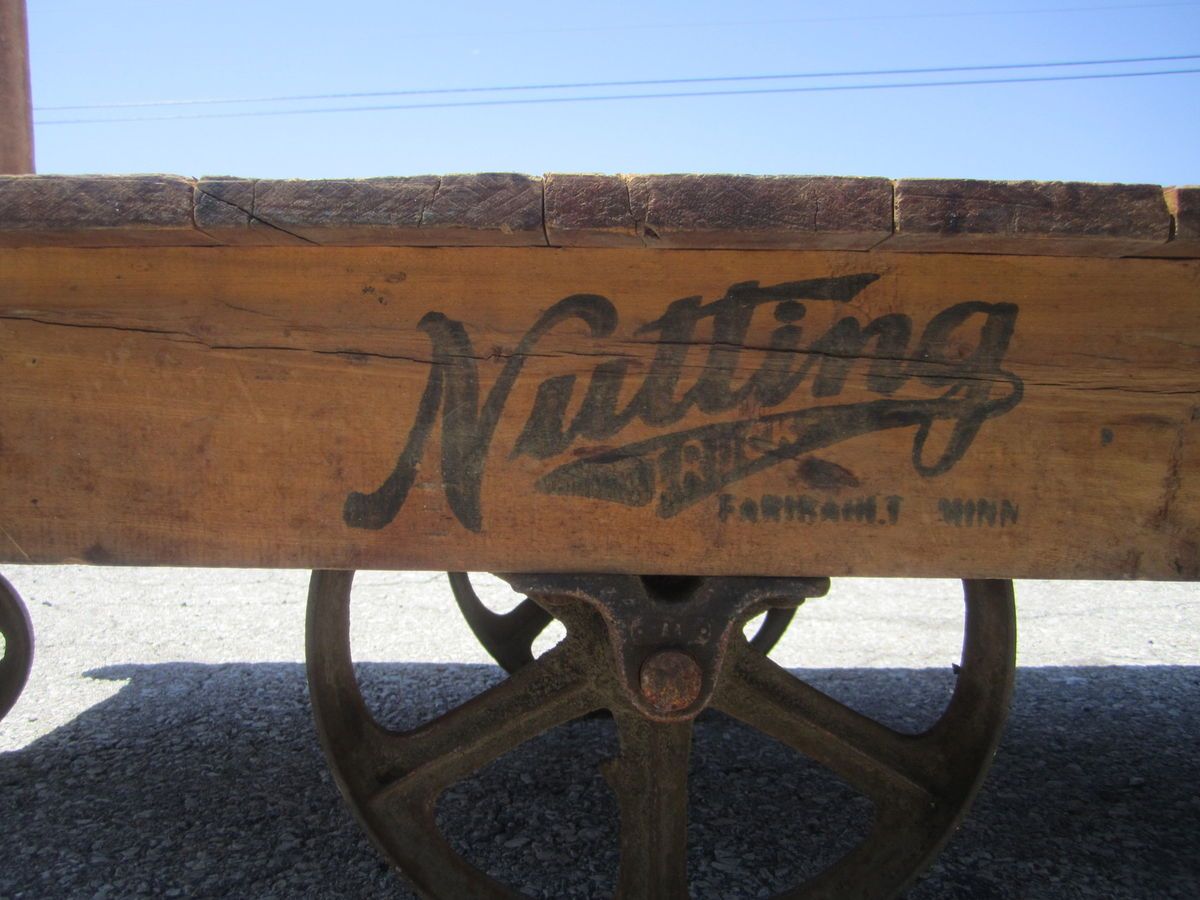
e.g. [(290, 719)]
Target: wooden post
[(16, 105)]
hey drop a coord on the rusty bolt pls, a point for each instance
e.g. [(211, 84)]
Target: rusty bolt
[(670, 680)]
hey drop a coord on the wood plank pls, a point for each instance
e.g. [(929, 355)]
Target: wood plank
[(422, 211), (225, 211), (763, 212), (769, 412), (353, 212), (651, 211), (499, 209), (589, 211), (97, 211), (1053, 218)]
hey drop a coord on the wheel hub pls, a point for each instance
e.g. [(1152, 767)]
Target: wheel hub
[(670, 681), (692, 620)]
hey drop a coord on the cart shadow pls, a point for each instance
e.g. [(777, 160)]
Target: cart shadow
[(207, 780)]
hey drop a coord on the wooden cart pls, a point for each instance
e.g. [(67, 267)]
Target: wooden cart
[(677, 400)]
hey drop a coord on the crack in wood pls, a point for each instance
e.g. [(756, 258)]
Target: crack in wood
[(497, 355), (249, 213), (188, 338)]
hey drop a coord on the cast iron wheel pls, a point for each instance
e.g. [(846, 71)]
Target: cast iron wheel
[(508, 637), (920, 785), (18, 646)]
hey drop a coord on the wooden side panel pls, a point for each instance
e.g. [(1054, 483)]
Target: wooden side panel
[(588, 409)]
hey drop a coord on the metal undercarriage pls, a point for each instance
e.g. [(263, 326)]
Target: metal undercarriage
[(654, 652)]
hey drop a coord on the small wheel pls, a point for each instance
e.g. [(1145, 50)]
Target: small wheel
[(18, 646), (920, 785), (508, 637)]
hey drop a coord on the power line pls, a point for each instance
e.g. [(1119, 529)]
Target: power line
[(645, 82), (525, 101)]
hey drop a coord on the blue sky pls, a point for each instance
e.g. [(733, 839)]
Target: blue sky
[(1144, 129)]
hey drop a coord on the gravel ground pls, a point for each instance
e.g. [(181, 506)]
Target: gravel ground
[(164, 746)]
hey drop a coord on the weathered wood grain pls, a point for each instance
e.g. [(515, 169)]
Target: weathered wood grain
[(1051, 218), (505, 208), (696, 412), (589, 211), (652, 211), (741, 211), (97, 211), (472, 210), (422, 211), (380, 211), (224, 210)]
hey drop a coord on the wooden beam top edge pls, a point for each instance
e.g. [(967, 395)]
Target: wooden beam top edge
[(695, 212)]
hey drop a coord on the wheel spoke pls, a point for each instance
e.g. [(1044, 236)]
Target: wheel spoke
[(649, 779), (508, 637), (392, 779), (880, 762), (550, 691), (772, 627)]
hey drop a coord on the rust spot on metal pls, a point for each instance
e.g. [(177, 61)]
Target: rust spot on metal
[(670, 680)]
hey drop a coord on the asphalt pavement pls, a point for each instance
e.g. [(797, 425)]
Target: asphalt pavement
[(164, 745)]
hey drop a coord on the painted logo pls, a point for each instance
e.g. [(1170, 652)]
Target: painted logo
[(957, 360)]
